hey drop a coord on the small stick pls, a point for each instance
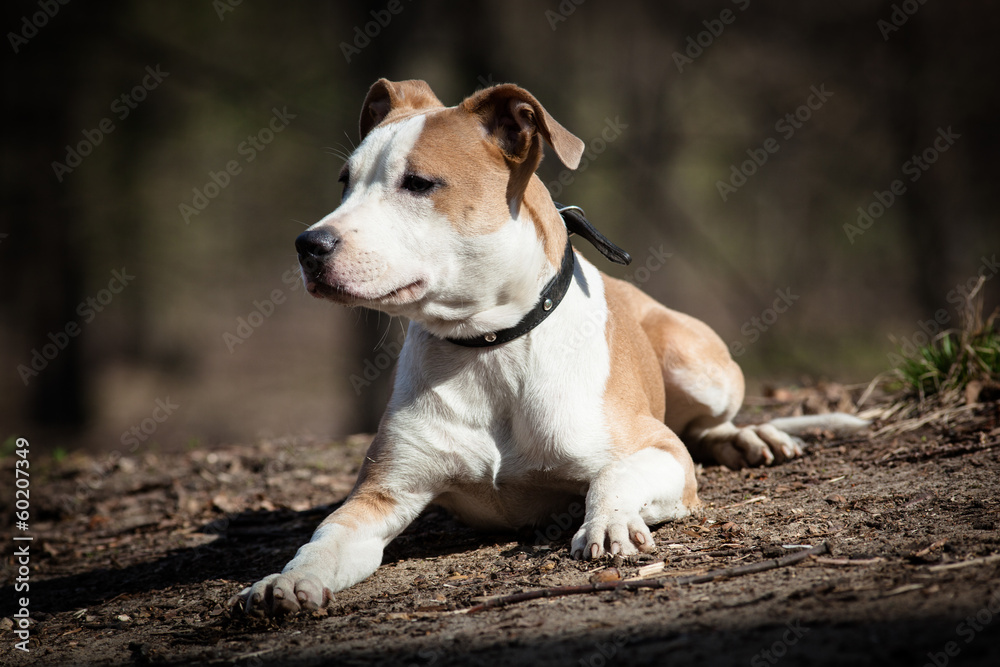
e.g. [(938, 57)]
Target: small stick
[(965, 563), (634, 584), (926, 550), (748, 501), (849, 561)]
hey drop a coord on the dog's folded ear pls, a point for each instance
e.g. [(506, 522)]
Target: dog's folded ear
[(517, 122), (385, 97)]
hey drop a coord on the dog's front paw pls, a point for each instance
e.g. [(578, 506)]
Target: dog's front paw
[(612, 534), (755, 446), (286, 593)]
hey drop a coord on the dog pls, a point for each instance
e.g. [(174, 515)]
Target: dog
[(528, 378)]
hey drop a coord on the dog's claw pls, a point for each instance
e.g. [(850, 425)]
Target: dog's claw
[(281, 594), (612, 536), (751, 446)]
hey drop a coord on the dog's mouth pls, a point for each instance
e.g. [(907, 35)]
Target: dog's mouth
[(351, 296)]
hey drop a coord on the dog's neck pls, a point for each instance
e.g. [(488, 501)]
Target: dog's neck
[(548, 300)]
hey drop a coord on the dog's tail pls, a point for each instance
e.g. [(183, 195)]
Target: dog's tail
[(839, 423)]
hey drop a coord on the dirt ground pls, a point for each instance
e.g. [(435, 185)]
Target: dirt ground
[(134, 559)]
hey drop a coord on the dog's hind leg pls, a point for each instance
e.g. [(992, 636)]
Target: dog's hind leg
[(704, 391)]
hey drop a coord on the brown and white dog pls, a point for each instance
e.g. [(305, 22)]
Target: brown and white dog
[(528, 378)]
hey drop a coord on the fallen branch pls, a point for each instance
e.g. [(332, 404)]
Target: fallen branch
[(849, 561), (965, 563), (634, 584)]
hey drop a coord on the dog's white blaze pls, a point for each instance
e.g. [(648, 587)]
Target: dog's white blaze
[(384, 231), (391, 238)]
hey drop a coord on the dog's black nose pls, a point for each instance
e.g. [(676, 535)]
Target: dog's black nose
[(316, 243)]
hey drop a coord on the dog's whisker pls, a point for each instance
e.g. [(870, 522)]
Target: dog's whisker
[(336, 152), (385, 335)]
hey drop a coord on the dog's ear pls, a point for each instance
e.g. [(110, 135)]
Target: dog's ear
[(516, 122), (386, 97)]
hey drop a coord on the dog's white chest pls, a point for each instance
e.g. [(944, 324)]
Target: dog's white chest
[(514, 425)]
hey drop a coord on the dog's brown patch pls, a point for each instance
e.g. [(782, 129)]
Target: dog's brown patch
[(635, 402)]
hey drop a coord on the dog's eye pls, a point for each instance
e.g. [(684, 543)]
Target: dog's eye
[(345, 178), (416, 184)]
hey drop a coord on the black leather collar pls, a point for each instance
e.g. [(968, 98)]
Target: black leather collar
[(551, 296), (554, 292)]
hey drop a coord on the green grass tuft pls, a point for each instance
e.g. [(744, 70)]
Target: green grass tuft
[(955, 358)]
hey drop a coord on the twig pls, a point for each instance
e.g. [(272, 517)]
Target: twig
[(559, 591), (905, 425), (907, 588), (850, 561), (965, 563), (926, 550), (748, 501), (876, 381)]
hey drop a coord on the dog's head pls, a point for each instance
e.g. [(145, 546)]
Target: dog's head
[(443, 219)]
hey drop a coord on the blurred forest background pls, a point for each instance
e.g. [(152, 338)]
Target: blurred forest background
[(118, 113)]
